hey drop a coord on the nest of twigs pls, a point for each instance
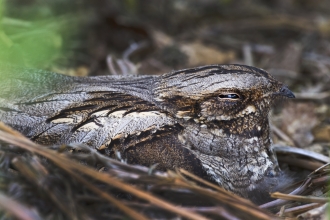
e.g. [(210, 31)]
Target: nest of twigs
[(76, 182)]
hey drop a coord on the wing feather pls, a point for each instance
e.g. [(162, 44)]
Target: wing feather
[(55, 109)]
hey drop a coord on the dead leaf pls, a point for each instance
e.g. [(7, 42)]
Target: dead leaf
[(298, 119)]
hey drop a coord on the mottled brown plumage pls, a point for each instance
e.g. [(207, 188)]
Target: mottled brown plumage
[(210, 120)]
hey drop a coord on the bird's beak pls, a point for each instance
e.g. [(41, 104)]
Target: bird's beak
[(284, 91)]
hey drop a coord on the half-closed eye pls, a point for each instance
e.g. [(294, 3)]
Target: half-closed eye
[(232, 96)]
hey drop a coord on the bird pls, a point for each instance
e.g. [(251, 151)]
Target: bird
[(210, 120)]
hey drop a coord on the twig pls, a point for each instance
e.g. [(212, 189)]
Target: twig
[(216, 210), (300, 209), (303, 152), (133, 48), (321, 180), (320, 169), (204, 181), (247, 54), (298, 198), (229, 198), (279, 202), (68, 165), (35, 176), (282, 135), (302, 163), (127, 210), (16, 209), (312, 96)]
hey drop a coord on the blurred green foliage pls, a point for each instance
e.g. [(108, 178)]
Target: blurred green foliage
[(34, 40)]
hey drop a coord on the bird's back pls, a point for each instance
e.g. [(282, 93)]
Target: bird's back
[(52, 108)]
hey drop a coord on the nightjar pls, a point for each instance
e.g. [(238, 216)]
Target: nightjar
[(210, 120)]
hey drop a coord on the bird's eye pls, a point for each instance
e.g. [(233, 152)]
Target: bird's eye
[(229, 96)]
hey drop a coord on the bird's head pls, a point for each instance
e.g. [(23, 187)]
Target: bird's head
[(223, 110), (224, 94)]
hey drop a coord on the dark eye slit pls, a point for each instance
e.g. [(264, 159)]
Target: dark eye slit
[(229, 96)]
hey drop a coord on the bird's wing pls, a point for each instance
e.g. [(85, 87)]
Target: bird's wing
[(55, 109)]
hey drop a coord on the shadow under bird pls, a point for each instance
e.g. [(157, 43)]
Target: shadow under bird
[(210, 120)]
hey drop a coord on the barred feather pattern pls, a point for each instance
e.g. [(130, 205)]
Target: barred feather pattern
[(211, 120)]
